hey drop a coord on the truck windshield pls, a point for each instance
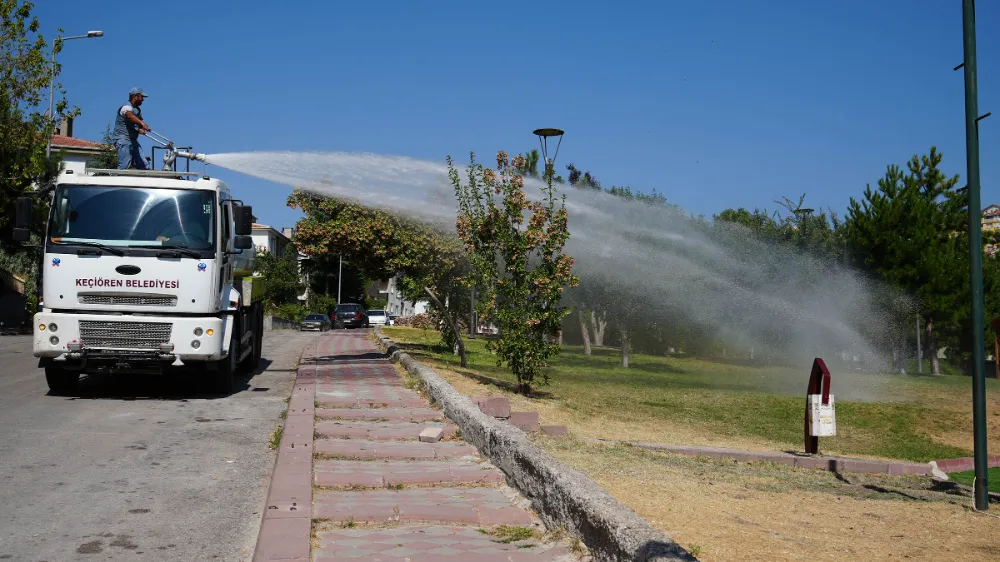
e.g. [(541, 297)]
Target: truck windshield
[(133, 216)]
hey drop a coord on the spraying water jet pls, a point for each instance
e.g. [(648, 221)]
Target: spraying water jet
[(784, 302)]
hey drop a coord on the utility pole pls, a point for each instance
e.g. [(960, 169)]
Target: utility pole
[(340, 273), (972, 119)]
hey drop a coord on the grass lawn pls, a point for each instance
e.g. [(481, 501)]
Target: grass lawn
[(695, 401), (967, 478)]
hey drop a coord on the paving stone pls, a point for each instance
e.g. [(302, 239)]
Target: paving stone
[(555, 430), (380, 431), (365, 449), (474, 506), (431, 434), (496, 406), (387, 414), (525, 421), (420, 544), (377, 474)]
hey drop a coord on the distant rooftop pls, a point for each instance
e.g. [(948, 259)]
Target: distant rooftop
[(62, 141)]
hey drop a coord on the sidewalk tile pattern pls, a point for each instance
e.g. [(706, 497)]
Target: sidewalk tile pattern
[(382, 494)]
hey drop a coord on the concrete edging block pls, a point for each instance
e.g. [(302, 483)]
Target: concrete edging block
[(286, 523), (562, 496)]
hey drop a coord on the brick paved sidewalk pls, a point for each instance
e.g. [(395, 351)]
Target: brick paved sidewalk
[(379, 493)]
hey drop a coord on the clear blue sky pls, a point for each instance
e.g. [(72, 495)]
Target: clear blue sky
[(715, 104)]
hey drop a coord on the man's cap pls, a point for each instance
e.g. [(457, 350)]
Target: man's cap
[(137, 92)]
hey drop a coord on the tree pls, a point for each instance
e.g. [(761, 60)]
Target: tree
[(529, 166), (911, 233), (281, 273), (107, 159), (381, 244), (580, 179), (24, 129), (520, 268)]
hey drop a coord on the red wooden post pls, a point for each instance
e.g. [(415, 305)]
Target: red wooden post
[(819, 382)]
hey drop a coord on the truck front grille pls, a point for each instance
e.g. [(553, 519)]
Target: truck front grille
[(110, 299), (124, 335)]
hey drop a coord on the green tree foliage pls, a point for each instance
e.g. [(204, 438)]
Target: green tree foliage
[(381, 244), (107, 159), (24, 128), (520, 268), (282, 280), (912, 231)]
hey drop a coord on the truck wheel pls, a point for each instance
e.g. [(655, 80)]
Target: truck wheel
[(61, 382), (224, 377)]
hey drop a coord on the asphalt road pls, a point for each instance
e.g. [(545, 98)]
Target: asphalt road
[(136, 469)]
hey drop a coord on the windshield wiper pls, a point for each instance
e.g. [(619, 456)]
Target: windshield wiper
[(173, 251), (105, 247)]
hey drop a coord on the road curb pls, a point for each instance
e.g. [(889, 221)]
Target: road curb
[(798, 460), (286, 525), (963, 464), (562, 496)]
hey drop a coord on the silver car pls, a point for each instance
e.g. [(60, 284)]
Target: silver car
[(378, 318)]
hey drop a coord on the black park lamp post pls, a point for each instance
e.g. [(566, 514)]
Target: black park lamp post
[(543, 139), (803, 215)]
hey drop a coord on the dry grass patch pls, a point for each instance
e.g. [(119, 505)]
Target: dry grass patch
[(761, 511)]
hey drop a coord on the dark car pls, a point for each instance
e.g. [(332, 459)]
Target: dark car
[(350, 316), (316, 321)]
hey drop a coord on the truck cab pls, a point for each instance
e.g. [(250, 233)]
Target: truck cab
[(145, 272)]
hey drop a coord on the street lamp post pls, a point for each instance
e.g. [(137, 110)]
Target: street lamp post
[(52, 78), (340, 273), (550, 163), (972, 118), (543, 139)]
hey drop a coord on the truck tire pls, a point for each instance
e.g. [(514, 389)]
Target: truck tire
[(222, 379), (61, 382)]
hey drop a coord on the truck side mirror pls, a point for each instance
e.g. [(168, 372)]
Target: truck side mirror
[(244, 220), (243, 242), (24, 210)]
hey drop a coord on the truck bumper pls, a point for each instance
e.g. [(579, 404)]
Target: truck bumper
[(61, 336)]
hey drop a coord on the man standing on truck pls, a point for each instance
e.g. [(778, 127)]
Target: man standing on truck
[(128, 126)]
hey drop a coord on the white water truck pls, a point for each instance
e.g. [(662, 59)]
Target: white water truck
[(145, 272)]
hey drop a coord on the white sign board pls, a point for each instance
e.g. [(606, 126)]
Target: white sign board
[(822, 417)]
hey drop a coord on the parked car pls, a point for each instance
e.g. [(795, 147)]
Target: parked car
[(315, 321), (350, 315), (378, 317)]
